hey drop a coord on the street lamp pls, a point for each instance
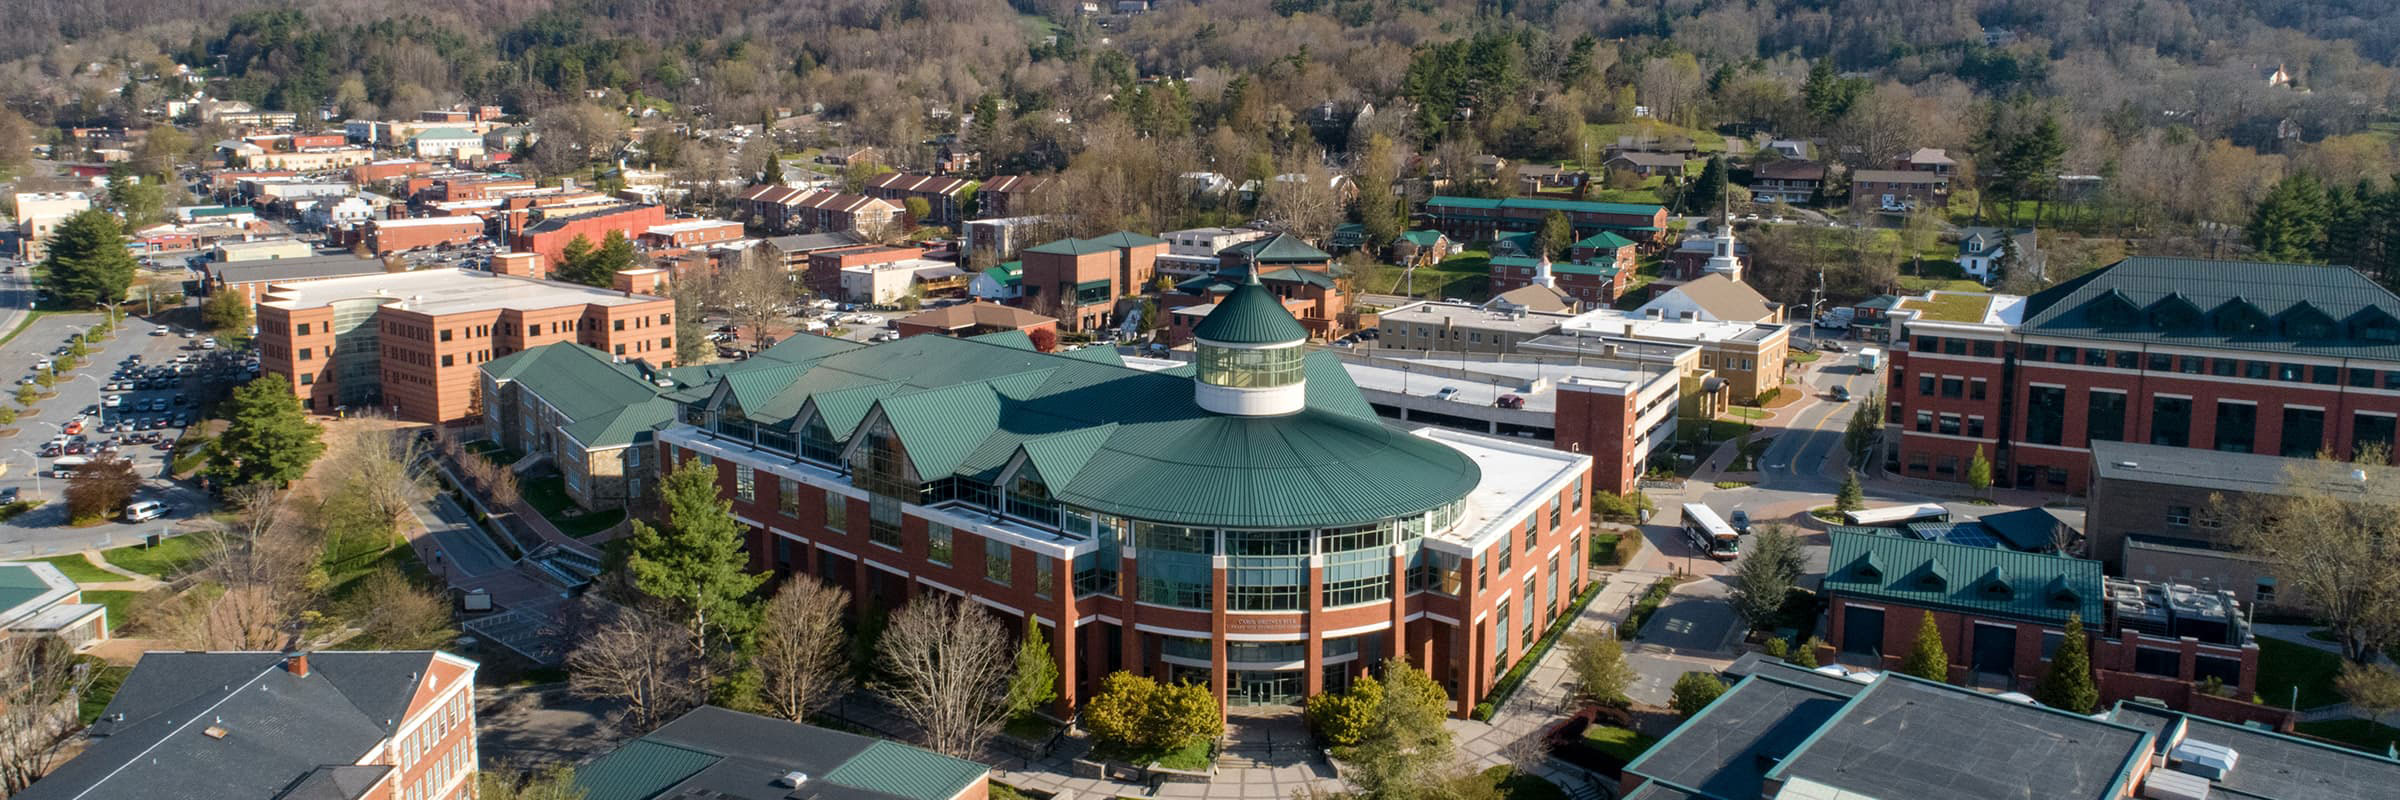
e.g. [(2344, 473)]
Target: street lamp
[(99, 395), (37, 470)]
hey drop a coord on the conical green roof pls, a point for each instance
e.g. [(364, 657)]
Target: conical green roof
[(1250, 315)]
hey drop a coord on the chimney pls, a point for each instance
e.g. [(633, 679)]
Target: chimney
[(297, 664)]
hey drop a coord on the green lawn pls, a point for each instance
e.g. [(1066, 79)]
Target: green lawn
[(2372, 737), (103, 689), (119, 603), (548, 495), (1192, 757), (169, 559), (1803, 356), (2283, 665), (1703, 141), (80, 570), (1622, 744), (1029, 728), (1747, 412), (1514, 785)]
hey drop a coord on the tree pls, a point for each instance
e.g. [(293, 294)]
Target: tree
[(398, 614), (556, 782), (1707, 194), (1116, 714), (2330, 547), (917, 209), (26, 394), (2068, 683), (691, 343), (1928, 658), (2372, 688), (1807, 657), (1693, 692), (98, 489), (1850, 497), (226, 312), (87, 260), (1035, 682), (1766, 574), (803, 658), (693, 564), (139, 199), (641, 660), (385, 469), (1044, 339), (1378, 211), (2033, 161), (1597, 660), (267, 437), (1866, 422), (946, 668), (754, 292), (1304, 199), (1556, 236), (254, 583), (575, 258), (1979, 471), (2289, 223), (773, 174), (1408, 747), (41, 682)]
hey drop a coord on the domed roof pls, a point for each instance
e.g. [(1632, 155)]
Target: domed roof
[(1250, 315)]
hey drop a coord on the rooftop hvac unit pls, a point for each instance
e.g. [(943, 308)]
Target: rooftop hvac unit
[(2204, 759), (792, 780), (2167, 785)]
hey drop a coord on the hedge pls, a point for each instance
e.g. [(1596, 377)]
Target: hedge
[(1645, 607), (1516, 675)]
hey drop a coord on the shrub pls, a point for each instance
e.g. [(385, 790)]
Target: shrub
[(1779, 648), (1643, 608), (1694, 691), (1341, 719), (1138, 717)]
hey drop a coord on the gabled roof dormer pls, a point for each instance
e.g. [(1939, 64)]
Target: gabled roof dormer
[(2306, 322), (2238, 316), (2174, 312), (1932, 577), (2113, 310), (2374, 325), (1994, 585)]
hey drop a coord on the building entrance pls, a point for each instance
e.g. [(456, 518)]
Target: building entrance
[(1262, 688)]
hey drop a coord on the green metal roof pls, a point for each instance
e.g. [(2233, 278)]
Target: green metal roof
[(640, 770), (1008, 273), (606, 404), (1422, 238), (966, 407), (2236, 305), (1557, 267), (898, 769), (1250, 315), (1605, 241), (444, 133), (1988, 581), (18, 585), (1080, 247), (1542, 204), (1279, 249)]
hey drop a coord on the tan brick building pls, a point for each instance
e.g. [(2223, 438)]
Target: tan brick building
[(410, 342)]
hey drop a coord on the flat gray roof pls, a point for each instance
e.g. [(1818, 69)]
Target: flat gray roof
[(294, 269), (2233, 472), (1474, 317), (2274, 766), (1904, 737), (1485, 381), (448, 291)]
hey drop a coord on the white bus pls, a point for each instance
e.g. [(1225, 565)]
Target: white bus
[(1709, 534), (64, 467), (1895, 516)]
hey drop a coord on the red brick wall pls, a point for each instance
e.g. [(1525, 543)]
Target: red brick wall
[(393, 239), (1601, 425), (631, 221)]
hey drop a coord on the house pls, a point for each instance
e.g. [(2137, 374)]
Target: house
[(2002, 613), (36, 599), (1423, 248), (1980, 250), (1078, 281), (1791, 180), (1791, 733), (1539, 178), (1648, 165), (328, 724), (1927, 159), (2154, 513), (1000, 283), (941, 193), (793, 250), (790, 209), (973, 319), (728, 755), (591, 414), (1793, 149), (1541, 297), (1896, 191)]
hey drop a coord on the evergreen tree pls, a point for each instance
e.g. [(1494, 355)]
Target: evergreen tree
[(1928, 659), (267, 438), (1979, 471), (87, 260), (2068, 684), (1036, 681), (2033, 162), (1851, 497), (2348, 227), (1865, 423), (574, 260), (1708, 193), (1557, 235), (226, 312), (615, 255), (693, 561), (2289, 225), (774, 172)]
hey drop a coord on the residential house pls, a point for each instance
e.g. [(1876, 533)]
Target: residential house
[(728, 755), (824, 273), (847, 156), (591, 414), (1000, 283), (793, 250), (1793, 181), (1927, 159), (1895, 191), (788, 209), (1648, 165), (1539, 178), (1980, 250), (327, 724), (1013, 196), (1423, 248)]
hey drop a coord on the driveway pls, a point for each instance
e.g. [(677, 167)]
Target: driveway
[(460, 550)]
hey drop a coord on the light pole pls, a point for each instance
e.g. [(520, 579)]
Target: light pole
[(99, 396), (37, 470)]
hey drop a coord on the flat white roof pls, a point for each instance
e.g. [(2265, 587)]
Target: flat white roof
[(1613, 322), (425, 222), (691, 225), (1517, 479), (1486, 381), (446, 291)]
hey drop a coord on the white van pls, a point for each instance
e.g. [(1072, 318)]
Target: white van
[(144, 510)]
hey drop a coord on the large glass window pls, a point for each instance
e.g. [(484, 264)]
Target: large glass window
[(1265, 583), (883, 521), (878, 465), (2367, 429), (837, 511), (1028, 497), (1250, 368), (745, 483), (937, 543), (2171, 421), (1358, 576), (1180, 580), (787, 496), (2104, 421), (2237, 426), (2045, 414), (818, 445), (1432, 571), (1148, 537), (996, 561), (1045, 571), (2303, 432)]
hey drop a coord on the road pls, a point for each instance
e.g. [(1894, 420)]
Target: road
[(459, 546)]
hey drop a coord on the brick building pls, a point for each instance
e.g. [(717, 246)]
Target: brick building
[(1126, 528), (1013, 196), (252, 278), (1078, 281), (940, 192), (1898, 190), (2241, 357), (787, 209), (973, 319), (1591, 283), (550, 236), (1479, 219), (410, 342), (1793, 181), (691, 233), (824, 274), (361, 724), (1298, 275), (36, 599), (592, 413), (387, 236)]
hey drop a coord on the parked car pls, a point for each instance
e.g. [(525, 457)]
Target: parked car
[(145, 510)]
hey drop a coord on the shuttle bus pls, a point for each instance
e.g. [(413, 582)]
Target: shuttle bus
[(1709, 534), (1896, 516)]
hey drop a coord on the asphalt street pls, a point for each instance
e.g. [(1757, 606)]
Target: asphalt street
[(460, 549)]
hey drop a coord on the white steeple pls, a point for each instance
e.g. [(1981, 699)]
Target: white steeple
[(1722, 261), (1541, 271)]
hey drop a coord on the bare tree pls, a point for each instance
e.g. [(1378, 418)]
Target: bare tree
[(754, 291), (641, 660), (396, 613), (1305, 200), (256, 581), (947, 664), (386, 466), (803, 656), (2331, 539), (40, 685)]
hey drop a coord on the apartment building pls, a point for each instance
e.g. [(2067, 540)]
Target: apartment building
[(940, 193), (387, 236), (411, 343), (825, 266), (1617, 411), (1193, 252), (1078, 281), (252, 278), (1126, 529), (328, 724), (1480, 219), (1013, 196), (2237, 357), (1751, 358)]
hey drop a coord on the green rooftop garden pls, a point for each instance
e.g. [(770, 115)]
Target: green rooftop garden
[(1950, 307)]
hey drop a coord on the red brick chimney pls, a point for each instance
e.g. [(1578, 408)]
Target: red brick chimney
[(297, 664)]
